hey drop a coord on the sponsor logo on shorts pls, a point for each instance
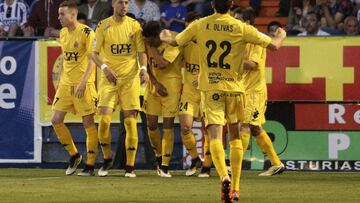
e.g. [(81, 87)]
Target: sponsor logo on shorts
[(215, 96), (192, 68), (255, 114)]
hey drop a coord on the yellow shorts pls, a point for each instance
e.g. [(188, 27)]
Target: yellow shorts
[(220, 107), (255, 107), (163, 106), (126, 93), (66, 101), (190, 102)]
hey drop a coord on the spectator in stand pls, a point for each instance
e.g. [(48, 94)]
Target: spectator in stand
[(312, 25), (173, 16), (333, 13), (144, 9), (298, 11), (284, 6), (357, 10), (13, 16), (29, 4), (95, 10), (200, 6), (272, 27), (351, 26), (82, 18), (194, 5), (43, 19)]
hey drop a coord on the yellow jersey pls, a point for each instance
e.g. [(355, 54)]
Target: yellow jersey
[(191, 66), (76, 46), (221, 40), (120, 42), (254, 80)]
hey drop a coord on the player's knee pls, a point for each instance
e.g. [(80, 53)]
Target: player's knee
[(88, 121), (244, 127), (255, 130), (168, 123), (55, 120), (185, 130), (130, 114), (152, 126)]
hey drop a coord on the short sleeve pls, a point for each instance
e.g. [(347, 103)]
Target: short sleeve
[(99, 38), (188, 34), (171, 53), (139, 39), (90, 37)]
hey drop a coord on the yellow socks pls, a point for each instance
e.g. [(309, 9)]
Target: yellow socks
[(245, 139), (167, 146), (155, 140), (104, 135), (218, 157), (207, 155), (131, 140), (65, 138), (190, 144), (91, 145), (236, 158), (266, 146)]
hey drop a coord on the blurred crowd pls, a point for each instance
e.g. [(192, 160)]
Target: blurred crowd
[(39, 18), (327, 17)]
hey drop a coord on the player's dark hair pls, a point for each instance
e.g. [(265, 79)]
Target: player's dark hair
[(141, 21), (249, 15), (238, 10), (69, 4), (273, 23), (191, 16), (151, 29), (222, 6)]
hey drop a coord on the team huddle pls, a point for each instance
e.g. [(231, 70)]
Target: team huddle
[(213, 71)]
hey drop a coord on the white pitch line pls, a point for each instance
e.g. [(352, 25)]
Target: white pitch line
[(44, 178)]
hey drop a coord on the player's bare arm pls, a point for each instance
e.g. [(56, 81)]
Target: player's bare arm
[(276, 41), (60, 72), (160, 88), (158, 57), (250, 65), (80, 89), (144, 76), (110, 74)]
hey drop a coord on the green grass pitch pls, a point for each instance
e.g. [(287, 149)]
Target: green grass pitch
[(43, 185)]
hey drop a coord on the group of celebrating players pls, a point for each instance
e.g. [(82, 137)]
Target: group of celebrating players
[(222, 83)]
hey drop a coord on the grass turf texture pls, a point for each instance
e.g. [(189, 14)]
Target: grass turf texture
[(42, 185)]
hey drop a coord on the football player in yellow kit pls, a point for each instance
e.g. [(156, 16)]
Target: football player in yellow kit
[(189, 108), (76, 92), (120, 41), (162, 95), (222, 40), (256, 99)]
